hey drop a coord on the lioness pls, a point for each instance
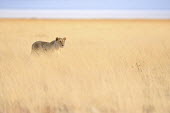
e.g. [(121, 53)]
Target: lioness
[(41, 46)]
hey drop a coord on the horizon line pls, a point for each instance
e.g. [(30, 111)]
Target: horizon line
[(84, 14)]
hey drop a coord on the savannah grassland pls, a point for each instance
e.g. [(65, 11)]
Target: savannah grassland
[(106, 66)]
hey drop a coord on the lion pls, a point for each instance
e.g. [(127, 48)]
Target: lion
[(44, 47)]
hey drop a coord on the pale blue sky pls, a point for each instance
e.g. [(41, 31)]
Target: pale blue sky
[(87, 4)]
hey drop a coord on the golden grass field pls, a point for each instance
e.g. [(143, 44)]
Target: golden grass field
[(106, 66)]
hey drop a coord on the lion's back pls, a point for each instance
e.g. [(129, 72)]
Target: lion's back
[(39, 45)]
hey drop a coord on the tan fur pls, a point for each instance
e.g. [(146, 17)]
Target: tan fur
[(44, 47)]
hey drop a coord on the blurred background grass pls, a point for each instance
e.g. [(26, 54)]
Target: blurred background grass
[(106, 66)]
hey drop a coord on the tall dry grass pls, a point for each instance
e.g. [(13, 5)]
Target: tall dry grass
[(106, 66)]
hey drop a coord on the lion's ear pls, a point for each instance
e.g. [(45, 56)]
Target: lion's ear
[(56, 38), (64, 38)]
